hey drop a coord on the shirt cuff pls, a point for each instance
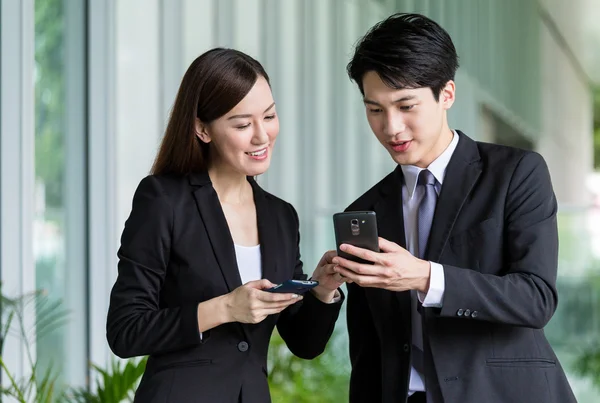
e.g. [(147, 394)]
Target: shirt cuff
[(336, 297), (437, 286)]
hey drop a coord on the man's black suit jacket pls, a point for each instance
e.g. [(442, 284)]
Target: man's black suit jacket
[(495, 233), (177, 251)]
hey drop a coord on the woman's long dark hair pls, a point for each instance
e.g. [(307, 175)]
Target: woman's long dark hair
[(213, 84)]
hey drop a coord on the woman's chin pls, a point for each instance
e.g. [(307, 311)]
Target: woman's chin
[(255, 171)]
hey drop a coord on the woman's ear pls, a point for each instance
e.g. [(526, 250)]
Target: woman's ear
[(202, 132)]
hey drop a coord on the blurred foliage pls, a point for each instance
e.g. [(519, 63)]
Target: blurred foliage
[(576, 322), (596, 99), (588, 364), (41, 384), (50, 116), (115, 384), (588, 361), (294, 380), (50, 90), (585, 300)]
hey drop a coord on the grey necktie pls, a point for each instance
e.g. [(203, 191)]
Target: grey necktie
[(424, 219)]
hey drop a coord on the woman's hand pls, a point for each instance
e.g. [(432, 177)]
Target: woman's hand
[(250, 304), (329, 280)]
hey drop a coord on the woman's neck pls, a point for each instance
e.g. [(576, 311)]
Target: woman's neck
[(231, 186)]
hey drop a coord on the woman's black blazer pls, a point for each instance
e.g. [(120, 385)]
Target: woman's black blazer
[(176, 251)]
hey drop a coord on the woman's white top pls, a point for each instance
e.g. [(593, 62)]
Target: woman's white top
[(249, 262)]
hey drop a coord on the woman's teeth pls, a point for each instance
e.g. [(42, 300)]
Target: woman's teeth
[(258, 153)]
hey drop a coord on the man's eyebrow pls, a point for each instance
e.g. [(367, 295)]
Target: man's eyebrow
[(403, 99)]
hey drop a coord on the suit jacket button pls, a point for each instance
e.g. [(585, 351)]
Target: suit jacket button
[(406, 347), (474, 314), (242, 346), (467, 312), (460, 312)]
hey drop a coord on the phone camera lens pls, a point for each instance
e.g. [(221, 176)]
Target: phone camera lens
[(354, 221)]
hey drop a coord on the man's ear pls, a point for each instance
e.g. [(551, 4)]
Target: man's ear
[(447, 95), (202, 132)]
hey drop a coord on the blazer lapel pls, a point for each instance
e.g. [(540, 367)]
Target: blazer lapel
[(268, 234), (461, 175), (390, 220), (217, 229), (390, 216)]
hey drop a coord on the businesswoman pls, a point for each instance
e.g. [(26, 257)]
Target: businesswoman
[(203, 242)]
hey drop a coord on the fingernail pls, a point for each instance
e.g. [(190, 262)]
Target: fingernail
[(295, 296)]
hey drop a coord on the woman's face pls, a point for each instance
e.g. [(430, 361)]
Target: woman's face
[(242, 140)]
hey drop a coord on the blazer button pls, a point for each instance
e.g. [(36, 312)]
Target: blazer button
[(406, 347), (474, 314), (467, 312), (460, 312), (242, 346)]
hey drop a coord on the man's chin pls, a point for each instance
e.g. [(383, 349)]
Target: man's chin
[(405, 159)]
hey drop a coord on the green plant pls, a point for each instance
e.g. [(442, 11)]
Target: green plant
[(40, 385), (114, 385), (294, 380), (588, 365)]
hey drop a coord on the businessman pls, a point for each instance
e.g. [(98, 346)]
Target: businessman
[(454, 305)]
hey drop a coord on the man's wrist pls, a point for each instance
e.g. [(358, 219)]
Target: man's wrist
[(425, 269)]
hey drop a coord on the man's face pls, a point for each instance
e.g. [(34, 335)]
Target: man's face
[(409, 123)]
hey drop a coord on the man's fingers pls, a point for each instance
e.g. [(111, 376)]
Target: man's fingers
[(388, 246), (362, 280), (365, 254), (359, 268)]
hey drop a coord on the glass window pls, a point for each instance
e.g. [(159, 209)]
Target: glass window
[(59, 226)]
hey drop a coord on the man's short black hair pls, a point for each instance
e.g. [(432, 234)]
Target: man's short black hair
[(406, 51)]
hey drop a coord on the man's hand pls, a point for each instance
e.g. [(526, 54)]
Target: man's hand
[(395, 269)]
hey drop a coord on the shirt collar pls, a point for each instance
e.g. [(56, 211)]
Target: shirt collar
[(437, 167)]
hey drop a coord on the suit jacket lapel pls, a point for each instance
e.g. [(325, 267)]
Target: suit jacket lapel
[(390, 216), (267, 232), (390, 219), (217, 229), (461, 175)]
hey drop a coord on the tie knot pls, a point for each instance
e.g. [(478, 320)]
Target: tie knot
[(426, 178)]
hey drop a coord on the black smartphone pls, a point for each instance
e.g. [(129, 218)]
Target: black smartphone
[(358, 228), (294, 286)]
